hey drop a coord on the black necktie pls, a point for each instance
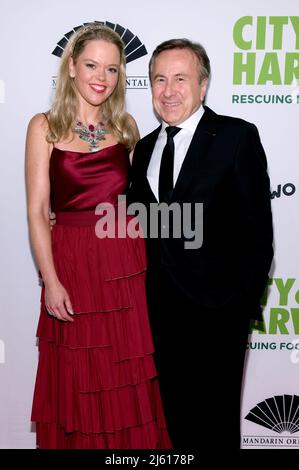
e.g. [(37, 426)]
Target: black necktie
[(166, 168)]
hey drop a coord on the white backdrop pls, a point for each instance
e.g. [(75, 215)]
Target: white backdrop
[(29, 32)]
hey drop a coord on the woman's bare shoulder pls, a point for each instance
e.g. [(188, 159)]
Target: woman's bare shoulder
[(39, 123)]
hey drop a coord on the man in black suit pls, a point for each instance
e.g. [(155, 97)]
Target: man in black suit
[(201, 300)]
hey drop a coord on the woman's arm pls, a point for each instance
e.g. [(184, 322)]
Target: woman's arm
[(38, 202)]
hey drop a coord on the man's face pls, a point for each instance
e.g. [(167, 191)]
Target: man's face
[(176, 90)]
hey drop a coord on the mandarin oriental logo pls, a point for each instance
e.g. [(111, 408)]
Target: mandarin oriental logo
[(134, 49), (133, 46), (139, 82), (279, 413)]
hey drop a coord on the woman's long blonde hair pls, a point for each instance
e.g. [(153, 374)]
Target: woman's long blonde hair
[(63, 113)]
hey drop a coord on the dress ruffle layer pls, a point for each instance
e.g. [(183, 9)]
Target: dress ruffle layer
[(96, 383)]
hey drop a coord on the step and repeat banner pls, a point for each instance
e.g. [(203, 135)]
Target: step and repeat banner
[(254, 52)]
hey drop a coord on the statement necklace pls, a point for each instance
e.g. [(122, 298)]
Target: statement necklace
[(91, 134)]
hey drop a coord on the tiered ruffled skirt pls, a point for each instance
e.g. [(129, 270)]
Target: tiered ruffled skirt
[(96, 384)]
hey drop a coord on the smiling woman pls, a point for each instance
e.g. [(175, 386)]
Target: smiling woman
[(96, 384), (93, 77), (95, 71)]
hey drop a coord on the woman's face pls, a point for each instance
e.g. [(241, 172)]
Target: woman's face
[(96, 72)]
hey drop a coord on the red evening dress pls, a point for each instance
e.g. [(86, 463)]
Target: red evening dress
[(96, 384)]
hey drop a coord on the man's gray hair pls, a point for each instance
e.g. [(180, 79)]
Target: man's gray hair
[(182, 43)]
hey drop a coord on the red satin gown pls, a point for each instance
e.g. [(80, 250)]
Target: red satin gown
[(96, 384)]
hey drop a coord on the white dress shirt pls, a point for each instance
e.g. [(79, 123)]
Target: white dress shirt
[(182, 141)]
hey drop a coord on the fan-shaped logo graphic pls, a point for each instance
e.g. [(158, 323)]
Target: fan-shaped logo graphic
[(279, 413), (134, 49)]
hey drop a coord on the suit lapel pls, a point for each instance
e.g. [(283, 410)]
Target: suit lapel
[(202, 139)]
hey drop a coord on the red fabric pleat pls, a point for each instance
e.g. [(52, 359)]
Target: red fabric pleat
[(96, 384)]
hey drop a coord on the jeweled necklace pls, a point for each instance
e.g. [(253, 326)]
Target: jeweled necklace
[(91, 134)]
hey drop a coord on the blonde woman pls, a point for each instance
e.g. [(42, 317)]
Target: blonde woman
[(96, 384)]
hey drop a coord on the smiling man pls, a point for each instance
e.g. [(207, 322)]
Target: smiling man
[(201, 300)]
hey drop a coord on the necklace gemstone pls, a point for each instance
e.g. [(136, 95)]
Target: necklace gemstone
[(91, 134)]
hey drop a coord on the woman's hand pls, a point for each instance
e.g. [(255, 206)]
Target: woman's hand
[(58, 303), (52, 219)]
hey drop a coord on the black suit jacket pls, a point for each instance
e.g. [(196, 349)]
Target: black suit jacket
[(225, 168)]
